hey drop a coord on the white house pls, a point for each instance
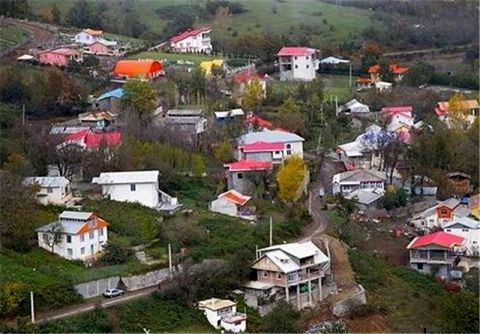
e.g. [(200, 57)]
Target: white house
[(467, 228), (136, 187), (440, 214), (222, 314), (233, 203), (75, 235), (298, 63), (193, 40), (88, 36), (269, 145), (368, 180), (52, 189), (354, 107)]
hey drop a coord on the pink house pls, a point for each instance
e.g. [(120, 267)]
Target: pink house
[(102, 47), (59, 57)]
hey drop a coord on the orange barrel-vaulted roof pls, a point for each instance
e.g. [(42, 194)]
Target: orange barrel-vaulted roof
[(133, 68)]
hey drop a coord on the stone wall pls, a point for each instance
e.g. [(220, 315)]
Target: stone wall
[(345, 306)]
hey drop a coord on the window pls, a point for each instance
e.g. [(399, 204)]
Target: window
[(278, 276), (49, 190), (464, 229), (444, 211), (449, 230), (133, 187), (289, 149), (420, 266), (45, 237), (240, 176), (91, 249), (70, 252), (296, 66), (265, 274), (91, 234), (277, 152), (100, 231), (306, 59), (308, 66), (474, 242), (82, 250), (296, 57), (82, 237), (69, 239)]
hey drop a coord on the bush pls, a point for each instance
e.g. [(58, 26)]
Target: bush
[(116, 254)]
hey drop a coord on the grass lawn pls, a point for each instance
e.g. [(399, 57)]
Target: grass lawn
[(173, 57), (11, 35)]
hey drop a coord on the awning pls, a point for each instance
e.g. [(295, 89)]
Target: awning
[(334, 61)]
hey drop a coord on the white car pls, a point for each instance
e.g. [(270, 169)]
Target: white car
[(110, 293)]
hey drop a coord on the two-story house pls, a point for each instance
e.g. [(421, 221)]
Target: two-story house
[(136, 187), (97, 119), (397, 72), (241, 174), (295, 271), (269, 145), (469, 109), (88, 36), (435, 253), (75, 235), (110, 100), (298, 63), (192, 40), (399, 121), (51, 189), (469, 229), (440, 214), (222, 314), (367, 180)]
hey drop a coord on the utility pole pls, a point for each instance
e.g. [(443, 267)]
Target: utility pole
[(170, 260), (310, 203), (336, 105), (23, 115), (350, 76), (271, 230), (32, 307), (256, 252)]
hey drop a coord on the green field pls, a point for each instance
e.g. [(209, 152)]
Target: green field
[(172, 57), (10, 36)]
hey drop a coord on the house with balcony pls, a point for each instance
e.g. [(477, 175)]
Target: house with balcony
[(439, 215), (363, 152), (294, 272), (469, 229), (51, 189), (269, 145), (192, 41), (360, 179), (436, 253), (298, 63), (222, 314), (242, 175), (136, 187), (75, 235)]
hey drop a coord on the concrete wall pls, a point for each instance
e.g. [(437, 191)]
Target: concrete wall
[(144, 193), (344, 307), (96, 288)]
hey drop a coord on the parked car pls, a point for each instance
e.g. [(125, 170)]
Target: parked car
[(110, 293)]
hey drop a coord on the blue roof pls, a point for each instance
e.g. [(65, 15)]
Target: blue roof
[(118, 93)]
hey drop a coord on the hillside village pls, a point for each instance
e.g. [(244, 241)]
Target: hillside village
[(204, 179)]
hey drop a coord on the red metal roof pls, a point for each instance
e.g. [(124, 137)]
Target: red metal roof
[(295, 51), (440, 238), (132, 68), (62, 51), (261, 146), (393, 110), (248, 165), (93, 140), (394, 68), (246, 76), (256, 120), (188, 33)]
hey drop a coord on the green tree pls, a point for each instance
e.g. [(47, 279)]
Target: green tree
[(53, 235), (224, 152), (460, 313), (289, 177), (139, 97), (18, 213), (291, 117), (56, 18), (199, 168), (282, 319), (419, 74), (253, 95), (83, 14), (115, 253)]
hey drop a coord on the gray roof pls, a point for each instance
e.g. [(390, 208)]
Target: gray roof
[(450, 203), (75, 215), (47, 181), (189, 120), (184, 112), (363, 196), (465, 221), (269, 136), (68, 227), (127, 177), (462, 211), (360, 175)]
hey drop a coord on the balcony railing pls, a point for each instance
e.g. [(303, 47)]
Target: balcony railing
[(299, 277)]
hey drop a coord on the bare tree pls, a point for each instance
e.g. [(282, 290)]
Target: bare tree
[(53, 235)]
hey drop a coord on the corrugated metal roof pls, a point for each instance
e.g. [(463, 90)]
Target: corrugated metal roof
[(269, 136), (47, 181), (117, 93), (77, 215), (127, 177), (464, 221)]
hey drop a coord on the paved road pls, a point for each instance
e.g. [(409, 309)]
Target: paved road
[(319, 217), (88, 306)]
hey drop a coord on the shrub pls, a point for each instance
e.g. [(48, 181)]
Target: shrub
[(116, 254)]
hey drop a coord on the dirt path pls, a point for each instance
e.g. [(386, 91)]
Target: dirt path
[(38, 36), (114, 320), (89, 306)]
